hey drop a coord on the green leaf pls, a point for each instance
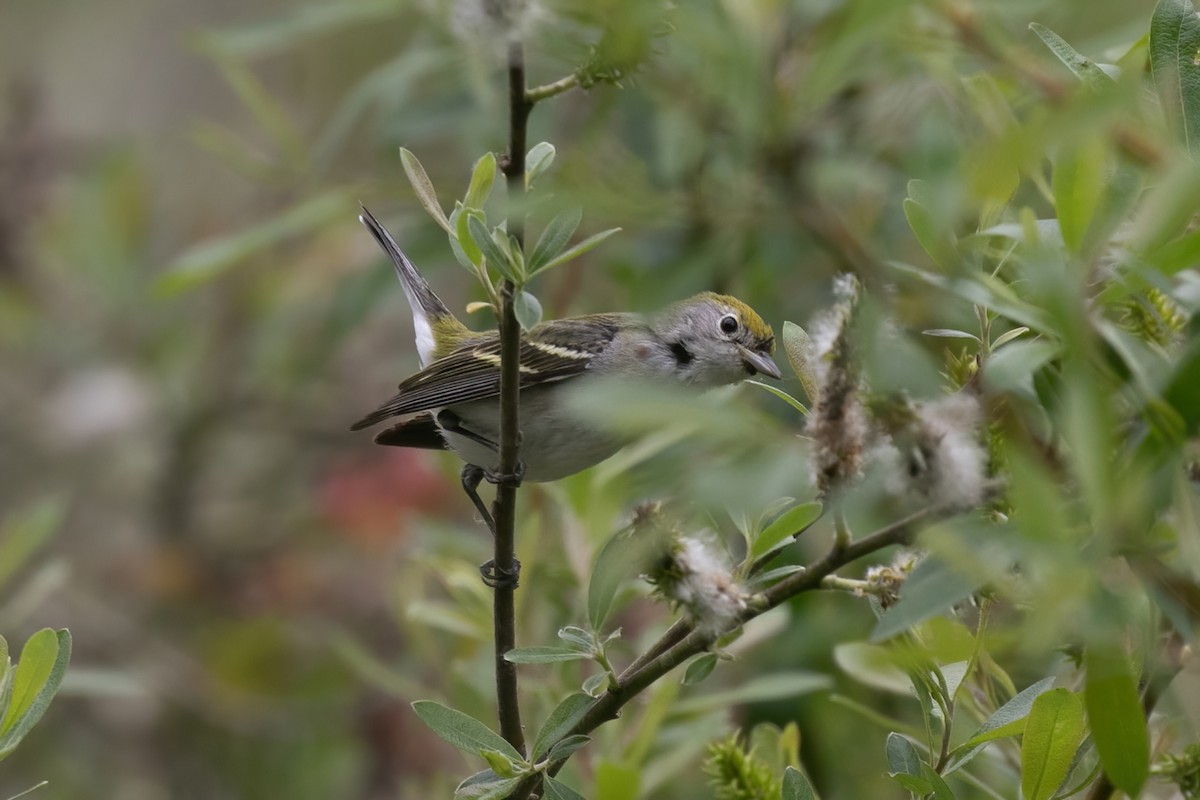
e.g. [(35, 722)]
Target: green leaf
[(932, 588), (933, 237), (782, 395), (1053, 731), (699, 669), (205, 261), (798, 347), (949, 333), (500, 763), (554, 238), (1174, 43), (579, 639), (596, 684), (1079, 187), (563, 718), (543, 655), (527, 309), (793, 521), (623, 557), (796, 786), (1116, 718), (482, 177), (1082, 67), (496, 256), (579, 249), (940, 790), (1008, 720), (557, 790), (465, 249), (35, 681), (1008, 336), (421, 184), (757, 690), (1012, 368), (486, 785), (538, 160), (902, 756), (462, 730), (563, 748)]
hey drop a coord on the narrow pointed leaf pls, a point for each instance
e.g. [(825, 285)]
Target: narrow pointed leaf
[(496, 257), (462, 730), (798, 347), (1053, 731), (949, 333), (1116, 718), (424, 188), (563, 748), (1008, 720), (554, 238), (561, 719), (782, 395), (482, 178), (542, 655), (793, 521), (579, 249), (699, 669), (1081, 66)]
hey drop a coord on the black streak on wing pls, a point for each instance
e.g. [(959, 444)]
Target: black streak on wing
[(472, 371)]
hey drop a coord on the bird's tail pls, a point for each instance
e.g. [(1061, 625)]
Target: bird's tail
[(429, 312)]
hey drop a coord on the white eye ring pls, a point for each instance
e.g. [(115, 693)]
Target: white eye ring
[(729, 324)]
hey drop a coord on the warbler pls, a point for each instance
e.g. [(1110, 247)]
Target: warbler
[(706, 341)]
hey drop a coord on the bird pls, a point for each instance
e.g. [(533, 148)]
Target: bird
[(706, 341)]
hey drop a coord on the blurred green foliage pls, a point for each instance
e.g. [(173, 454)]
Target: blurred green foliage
[(190, 315)]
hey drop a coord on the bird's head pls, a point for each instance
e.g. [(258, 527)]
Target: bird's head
[(717, 339)]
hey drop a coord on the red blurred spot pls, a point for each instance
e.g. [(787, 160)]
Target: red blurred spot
[(373, 501)]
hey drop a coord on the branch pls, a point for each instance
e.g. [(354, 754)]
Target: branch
[(682, 641), (548, 90), (504, 507)]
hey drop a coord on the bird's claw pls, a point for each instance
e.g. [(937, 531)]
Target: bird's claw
[(512, 479), (495, 578)]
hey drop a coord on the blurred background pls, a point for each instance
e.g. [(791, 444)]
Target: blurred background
[(191, 316)]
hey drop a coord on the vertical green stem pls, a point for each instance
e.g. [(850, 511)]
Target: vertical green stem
[(504, 507)]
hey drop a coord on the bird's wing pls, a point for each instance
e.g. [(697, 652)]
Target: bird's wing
[(553, 351)]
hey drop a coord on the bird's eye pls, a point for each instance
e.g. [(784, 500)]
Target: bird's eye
[(729, 324)]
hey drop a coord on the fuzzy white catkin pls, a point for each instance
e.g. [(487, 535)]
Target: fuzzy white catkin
[(706, 587), (954, 472)]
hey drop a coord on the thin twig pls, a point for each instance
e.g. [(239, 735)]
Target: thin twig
[(547, 90), (681, 642), (504, 507)]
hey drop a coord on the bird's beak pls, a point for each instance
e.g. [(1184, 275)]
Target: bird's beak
[(759, 362)]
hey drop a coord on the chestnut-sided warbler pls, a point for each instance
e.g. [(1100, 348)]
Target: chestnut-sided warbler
[(452, 403)]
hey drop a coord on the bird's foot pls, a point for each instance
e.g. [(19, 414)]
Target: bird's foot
[(496, 578), (512, 479), (472, 476)]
